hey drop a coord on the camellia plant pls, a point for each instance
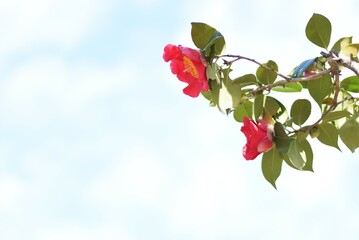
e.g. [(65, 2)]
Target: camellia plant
[(272, 130)]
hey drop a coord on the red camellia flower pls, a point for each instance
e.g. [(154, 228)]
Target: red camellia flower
[(187, 64), (259, 137)]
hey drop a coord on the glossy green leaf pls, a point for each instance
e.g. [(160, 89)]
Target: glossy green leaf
[(338, 45), (258, 105), (272, 166), (350, 84), (320, 88), (225, 95), (286, 158), (300, 111), (207, 38), (265, 76), (318, 30), (349, 133), (328, 135), (296, 155), (308, 155), (289, 87), (303, 67), (281, 139), (351, 50), (331, 116), (243, 110)]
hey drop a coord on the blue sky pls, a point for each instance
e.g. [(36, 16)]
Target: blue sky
[(97, 140)]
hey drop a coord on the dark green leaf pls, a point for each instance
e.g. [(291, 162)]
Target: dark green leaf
[(300, 111), (258, 105), (318, 30), (320, 88), (207, 38), (282, 141), (350, 84), (349, 133), (265, 76), (289, 87), (243, 110), (272, 166), (328, 135)]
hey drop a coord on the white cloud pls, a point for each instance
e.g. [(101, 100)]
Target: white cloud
[(76, 231), (45, 88), (29, 24), (136, 177)]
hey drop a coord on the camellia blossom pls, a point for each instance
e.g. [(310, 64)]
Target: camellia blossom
[(259, 137), (187, 64)]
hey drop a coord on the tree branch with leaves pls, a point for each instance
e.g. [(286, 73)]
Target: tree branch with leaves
[(273, 130)]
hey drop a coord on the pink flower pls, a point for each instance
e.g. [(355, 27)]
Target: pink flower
[(187, 64), (259, 137)]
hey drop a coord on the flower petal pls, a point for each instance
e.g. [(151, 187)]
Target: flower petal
[(171, 52), (264, 145)]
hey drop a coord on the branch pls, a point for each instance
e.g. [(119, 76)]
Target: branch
[(347, 62), (288, 80), (238, 57)]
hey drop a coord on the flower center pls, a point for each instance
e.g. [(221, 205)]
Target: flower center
[(189, 67)]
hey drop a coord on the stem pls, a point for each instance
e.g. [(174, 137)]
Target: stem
[(284, 82), (238, 57)]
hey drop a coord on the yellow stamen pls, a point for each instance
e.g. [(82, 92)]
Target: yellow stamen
[(189, 67)]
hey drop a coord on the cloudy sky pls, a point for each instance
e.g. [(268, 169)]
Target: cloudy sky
[(97, 140)]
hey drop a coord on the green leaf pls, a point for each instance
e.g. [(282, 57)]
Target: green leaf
[(226, 95), (258, 105), (308, 155), (318, 30), (289, 87), (265, 76), (331, 116), (243, 110), (300, 111), (272, 166), (341, 43), (207, 38), (295, 155), (320, 88), (350, 84), (271, 105), (328, 135), (349, 133), (207, 95), (282, 141), (212, 72), (303, 67), (351, 50), (246, 80)]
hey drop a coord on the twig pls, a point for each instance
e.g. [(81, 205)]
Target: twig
[(238, 57), (289, 80)]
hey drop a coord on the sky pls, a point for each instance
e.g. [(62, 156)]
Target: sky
[(97, 140)]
